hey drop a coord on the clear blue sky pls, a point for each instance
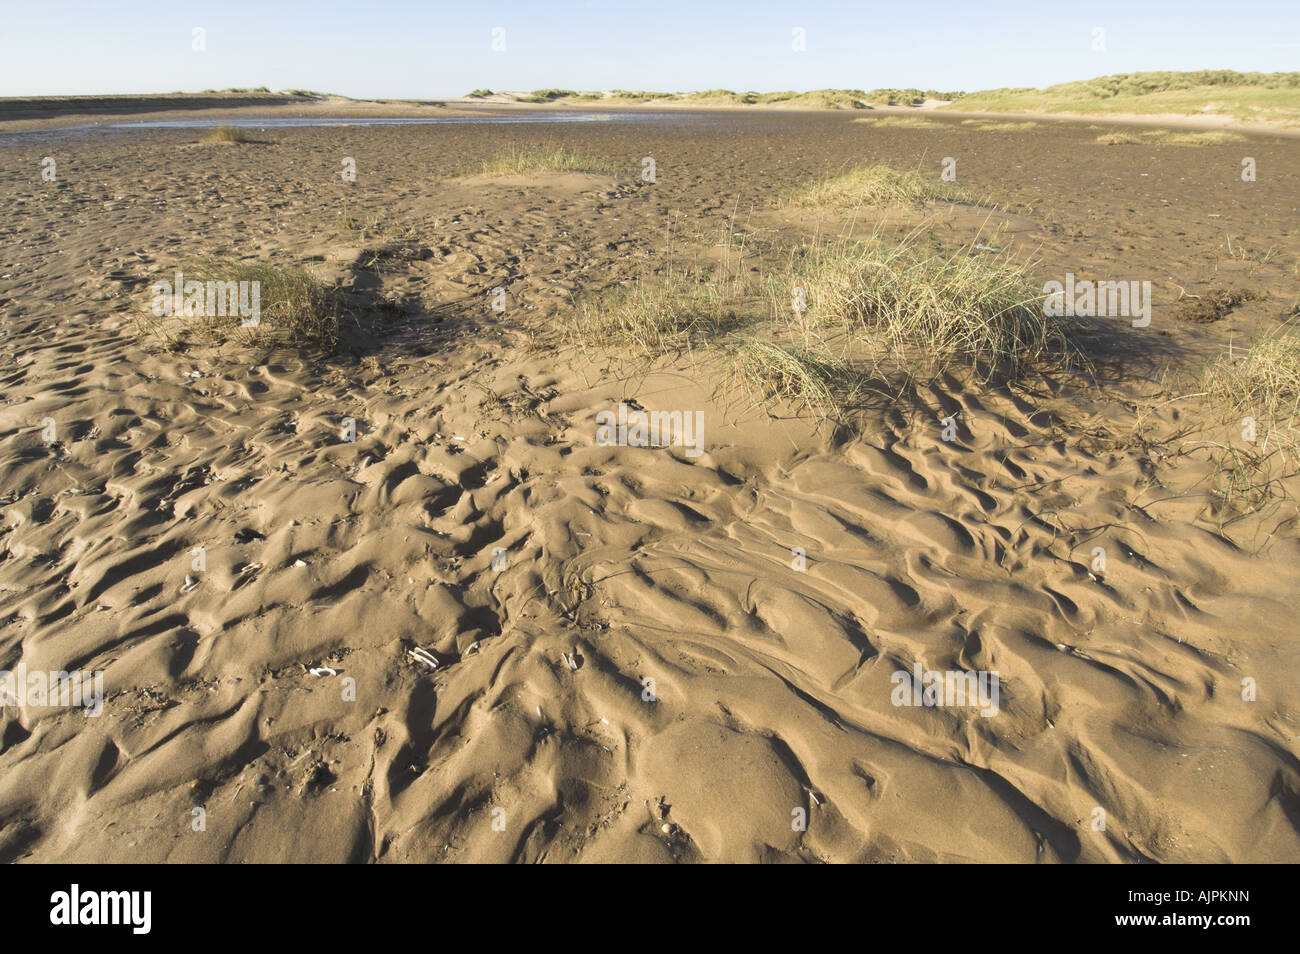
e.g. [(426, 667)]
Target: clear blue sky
[(404, 48)]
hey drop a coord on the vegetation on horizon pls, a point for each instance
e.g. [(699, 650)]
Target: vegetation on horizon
[(813, 99), (1259, 96)]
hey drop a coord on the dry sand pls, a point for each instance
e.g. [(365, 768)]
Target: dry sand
[(533, 739)]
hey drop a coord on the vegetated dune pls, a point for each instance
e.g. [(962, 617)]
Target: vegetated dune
[(1224, 94)]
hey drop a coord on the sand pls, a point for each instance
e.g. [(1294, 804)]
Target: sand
[(631, 663)]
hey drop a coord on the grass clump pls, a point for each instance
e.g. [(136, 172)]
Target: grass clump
[(290, 306), (655, 317), (874, 319), (1120, 139), (1006, 127), (228, 134), (818, 99), (872, 185), (1262, 382), (518, 161), (1208, 138), (1171, 137), (381, 242), (1258, 394), (920, 312), (639, 96), (808, 377), (902, 122)]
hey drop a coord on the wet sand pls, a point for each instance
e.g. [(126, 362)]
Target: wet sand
[(630, 665)]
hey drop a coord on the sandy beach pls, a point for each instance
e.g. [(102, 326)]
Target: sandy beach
[(403, 600)]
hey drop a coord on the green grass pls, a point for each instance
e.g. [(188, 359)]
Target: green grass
[(879, 318), (652, 317), (903, 122), (872, 185), (543, 159), (296, 308), (921, 312), (1250, 96), (1171, 137), (639, 96), (1001, 127), (231, 134)]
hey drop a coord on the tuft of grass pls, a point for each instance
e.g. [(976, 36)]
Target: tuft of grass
[(1263, 383), (1171, 137), (800, 375), (295, 308), (1215, 137), (1120, 139), (1214, 304), (228, 134), (1007, 127), (919, 312), (902, 122), (640, 95), (518, 161), (382, 243), (872, 185), (875, 316), (654, 317)]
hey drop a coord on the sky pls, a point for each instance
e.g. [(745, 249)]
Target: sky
[(433, 50)]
